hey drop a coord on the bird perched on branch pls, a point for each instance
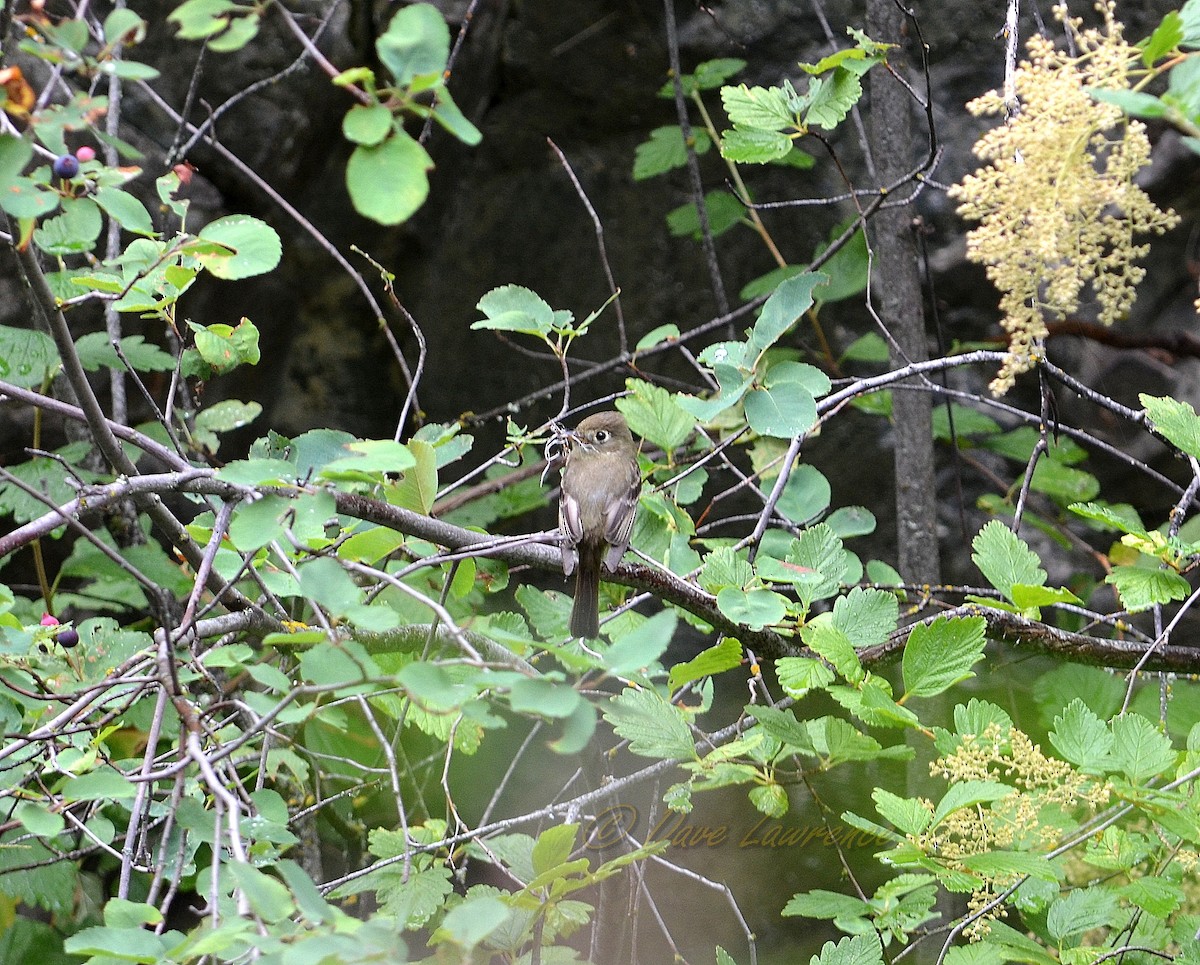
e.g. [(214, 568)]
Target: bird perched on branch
[(600, 485)]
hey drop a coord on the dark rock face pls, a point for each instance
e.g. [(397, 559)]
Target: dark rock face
[(584, 75)]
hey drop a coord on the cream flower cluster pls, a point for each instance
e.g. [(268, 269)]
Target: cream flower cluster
[(1056, 204)]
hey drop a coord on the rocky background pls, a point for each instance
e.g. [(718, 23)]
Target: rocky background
[(583, 74)]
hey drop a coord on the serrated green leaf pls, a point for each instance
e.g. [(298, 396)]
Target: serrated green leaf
[(1004, 559), (798, 675), (866, 616), (940, 654), (825, 639), (1139, 749), (752, 146), (1141, 588), (757, 107), (512, 308), (1080, 911), (1082, 738), (666, 151), (653, 726), (1176, 421), (653, 414), (909, 815)]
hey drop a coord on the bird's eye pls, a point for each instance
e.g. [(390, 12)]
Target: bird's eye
[(602, 435)]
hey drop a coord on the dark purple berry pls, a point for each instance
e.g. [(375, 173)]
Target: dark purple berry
[(68, 638), (66, 166)]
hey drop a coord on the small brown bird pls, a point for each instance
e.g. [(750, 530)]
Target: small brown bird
[(600, 485)]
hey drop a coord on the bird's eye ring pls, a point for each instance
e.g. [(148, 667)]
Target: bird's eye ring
[(602, 435)]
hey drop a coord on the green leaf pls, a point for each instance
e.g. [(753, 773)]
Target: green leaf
[(708, 75), (1121, 517), (752, 146), (96, 352), (544, 697), (816, 563), (1080, 911), (722, 209), (856, 950), (967, 794), (866, 616), (1190, 14), (757, 107), (940, 654), (1029, 598), (790, 300), (26, 198), (99, 785), (653, 726), (511, 308), (28, 357), (1167, 36), (73, 231), (469, 923), (781, 411), (716, 659), (847, 269), (121, 944), (369, 459), (1139, 749), (908, 814), (367, 123), (388, 181), (1082, 738), (1004, 559), (806, 495), (653, 414), (447, 113), (268, 897), (641, 646), (1175, 421), (38, 819), (1141, 588), (850, 521), (553, 847), (416, 44), (198, 19), (782, 725), (753, 608), (831, 98), (825, 639), (125, 210), (1132, 102), (666, 151), (124, 26), (798, 675), (825, 904), (1157, 896), (1011, 864), (225, 348), (253, 247), (1064, 483), (15, 153)]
